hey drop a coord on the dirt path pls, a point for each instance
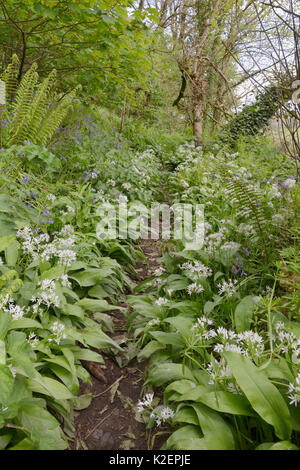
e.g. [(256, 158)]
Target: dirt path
[(109, 423)]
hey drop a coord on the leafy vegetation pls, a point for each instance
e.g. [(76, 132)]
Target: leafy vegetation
[(220, 342), (91, 120)]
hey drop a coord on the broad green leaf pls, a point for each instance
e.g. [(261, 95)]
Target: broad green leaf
[(4, 440), (12, 253), (105, 319), (83, 401), (88, 355), (98, 292), (91, 277), (219, 400), (186, 414), (20, 351), (2, 352), (25, 444), (96, 305), (279, 369), (97, 339), (53, 273), (182, 324), (24, 323), (168, 338), (186, 438), (264, 397), (43, 427), (6, 242), (75, 310), (176, 389), (149, 349), (282, 445), (52, 387), (5, 321), (243, 313), (167, 372), (176, 282), (6, 383), (70, 381), (217, 433)]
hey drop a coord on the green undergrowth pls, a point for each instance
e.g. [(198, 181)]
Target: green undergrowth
[(58, 280), (220, 325)]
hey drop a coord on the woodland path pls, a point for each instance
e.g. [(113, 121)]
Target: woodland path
[(110, 423)]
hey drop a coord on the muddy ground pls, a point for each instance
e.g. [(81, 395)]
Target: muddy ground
[(111, 420)]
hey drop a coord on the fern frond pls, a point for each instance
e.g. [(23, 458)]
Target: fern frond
[(53, 120), (21, 107), (39, 106), (248, 202), (10, 77), (31, 115)]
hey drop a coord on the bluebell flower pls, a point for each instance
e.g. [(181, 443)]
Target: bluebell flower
[(46, 211), (246, 251)]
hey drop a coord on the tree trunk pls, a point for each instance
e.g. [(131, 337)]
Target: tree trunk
[(198, 121)]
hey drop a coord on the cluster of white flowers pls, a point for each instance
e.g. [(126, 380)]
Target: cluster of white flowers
[(202, 322), (65, 281), (286, 342), (153, 322), (4, 299), (162, 415), (246, 229), (196, 270), (94, 174), (289, 183), (227, 288), (40, 247), (122, 199), (247, 343), (202, 329), (294, 391), (214, 240), (66, 257), (230, 246), (58, 331), (274, 192), (69, 210), (278, 218), (16, 311), (126, 186), (145, 402), (159, 271), (195, 288), (32, 340), (51, 198), (161, 301), (220, 373), (46, 295)]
